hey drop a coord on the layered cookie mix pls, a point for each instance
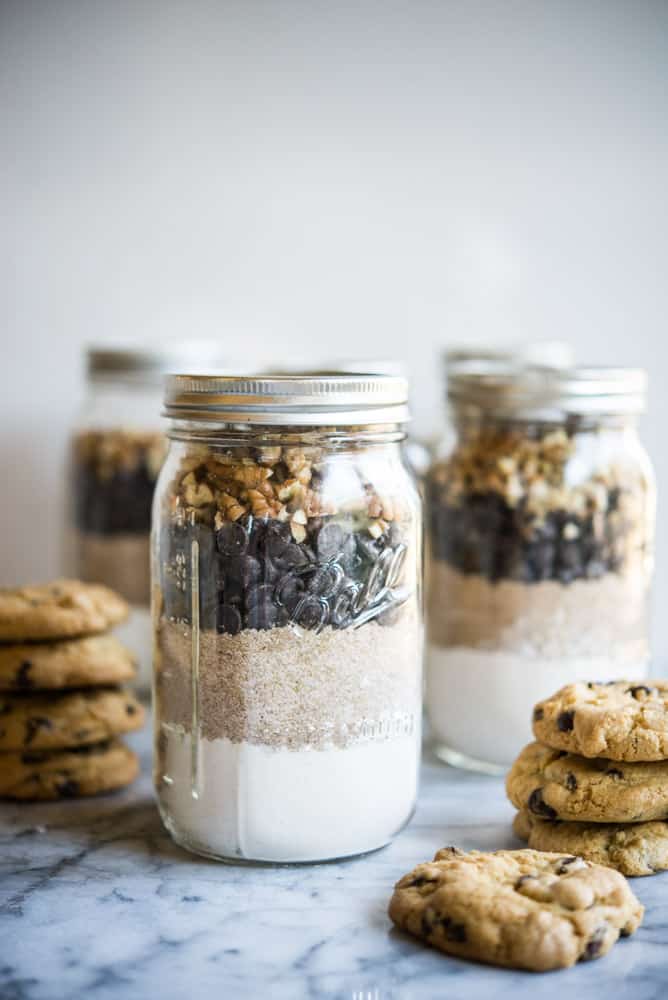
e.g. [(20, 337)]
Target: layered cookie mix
[(539, 567), (114, 476), (290, 575), (523, 909)]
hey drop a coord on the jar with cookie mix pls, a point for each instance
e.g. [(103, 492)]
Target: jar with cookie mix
[(540, 549), (287, 618), (117, 449)]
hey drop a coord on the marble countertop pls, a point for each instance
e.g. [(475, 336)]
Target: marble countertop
[(96, 902)]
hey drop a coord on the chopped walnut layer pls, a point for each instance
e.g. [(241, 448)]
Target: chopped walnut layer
[(533, 472), (111, 451), (281, 483)]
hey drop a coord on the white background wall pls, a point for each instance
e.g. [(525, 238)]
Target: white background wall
[(375, 178)]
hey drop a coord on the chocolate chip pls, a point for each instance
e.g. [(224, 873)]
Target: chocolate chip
[(289, 592), (131, 709), (231, 539), (571, 782), (427, 922), (614, 772), (538, 807), (538, 714), (228, 620), (563, 864), (33, 725), (523, 879), (421, 880), (635, 691), (565, 721), (311, 613), (68, 788), (263, 612), (22, 679), (454, 931), (34, 757), (595, 943)]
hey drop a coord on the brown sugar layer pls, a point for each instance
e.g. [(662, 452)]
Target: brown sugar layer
[(295, 689), (542, 619), (121, 560)]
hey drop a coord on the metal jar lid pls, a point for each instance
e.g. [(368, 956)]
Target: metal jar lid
[(545, 353), (516, 390), (308, 399), (150, 364)]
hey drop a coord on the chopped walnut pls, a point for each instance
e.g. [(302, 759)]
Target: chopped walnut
[(270, 482)]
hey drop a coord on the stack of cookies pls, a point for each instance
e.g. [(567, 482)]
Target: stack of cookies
[(61, 704), (596, 783)]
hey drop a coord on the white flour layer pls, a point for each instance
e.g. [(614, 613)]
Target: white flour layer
[(480, 702), (282, 805)]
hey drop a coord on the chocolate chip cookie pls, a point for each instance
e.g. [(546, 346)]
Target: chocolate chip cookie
[(66, 774), (631, 848), (59, 610), (523, 909), (553, 784), (99, 659), (68, 719), (623, 720)]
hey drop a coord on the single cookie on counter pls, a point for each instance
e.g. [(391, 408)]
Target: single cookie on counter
[(554, 784), (72, 663), (67, 774), (631, 848), (523, 909), (59, 610), (622, 720), (66, 719)]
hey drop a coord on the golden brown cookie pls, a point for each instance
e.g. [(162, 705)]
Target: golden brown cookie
[(623, 720), (631, 848), (523, 909), (59, 610), (99, 659), (67, 774), (553, 784), (67, 719)]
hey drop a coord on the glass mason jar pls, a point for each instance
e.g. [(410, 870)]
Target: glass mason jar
[(287, 619), (540, 550), (117, 449)]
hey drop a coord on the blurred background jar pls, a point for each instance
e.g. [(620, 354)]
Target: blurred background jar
[(117, 450), (540, 549)]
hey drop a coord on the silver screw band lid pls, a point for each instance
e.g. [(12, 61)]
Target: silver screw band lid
[(147, 363), (308, 399), (515, 390)]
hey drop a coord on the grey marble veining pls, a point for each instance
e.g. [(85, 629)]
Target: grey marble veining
[(95, 901)]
